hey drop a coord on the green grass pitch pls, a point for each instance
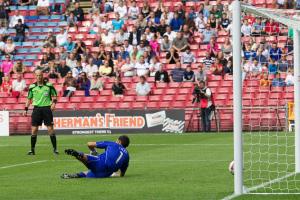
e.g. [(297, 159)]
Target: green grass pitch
[(162, 166)]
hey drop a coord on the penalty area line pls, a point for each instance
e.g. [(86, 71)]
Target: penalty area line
[(23, 164)]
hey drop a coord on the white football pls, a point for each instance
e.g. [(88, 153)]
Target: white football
[(231, 167)]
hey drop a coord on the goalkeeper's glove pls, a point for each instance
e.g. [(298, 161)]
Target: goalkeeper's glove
[(94, 153)]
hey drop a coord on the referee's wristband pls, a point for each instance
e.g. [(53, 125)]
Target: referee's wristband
[(26, 108)]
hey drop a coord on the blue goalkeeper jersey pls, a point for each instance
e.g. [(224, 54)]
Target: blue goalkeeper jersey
[(116, 157)]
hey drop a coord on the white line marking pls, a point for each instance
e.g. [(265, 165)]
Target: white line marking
[(269, 182), (232, 196), (6, 145), (23, 164), (274, 193)]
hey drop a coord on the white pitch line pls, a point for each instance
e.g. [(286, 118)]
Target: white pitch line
[(230, 197), (23, 164)]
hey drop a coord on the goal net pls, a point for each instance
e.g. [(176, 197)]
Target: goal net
[(267, 63)]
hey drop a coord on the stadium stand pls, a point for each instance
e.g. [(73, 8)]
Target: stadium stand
[(97, 45)]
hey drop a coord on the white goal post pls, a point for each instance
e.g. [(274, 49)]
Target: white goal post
[(237, 8)]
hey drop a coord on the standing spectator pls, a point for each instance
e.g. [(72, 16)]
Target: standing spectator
[(133, 11), (200, 75), (70, 84), (19, 68), (62, 37), (78, 12), (7, 66), (43, 7), (63, 69), (143, 88), (142, 67), (180, 43), (14, 19), (205, 105), (20, 31), (6, 85), (117, 23), (162, 76), (188, 57), (9, 47), (90, 68), (275, 52), (118, 89), (84, 84), (177, 73), (18, 86), (165, 44), (96, 83), (121, 9), (76, 71), (188, 75)]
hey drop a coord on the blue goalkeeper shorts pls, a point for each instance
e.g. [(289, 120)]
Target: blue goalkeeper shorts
[(97, 168)]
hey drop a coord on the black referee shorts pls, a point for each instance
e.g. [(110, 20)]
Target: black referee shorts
[(40, 115)]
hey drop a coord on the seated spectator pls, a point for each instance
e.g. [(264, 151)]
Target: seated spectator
[(154, 66), (155, 46), (71, 61), (43, 7), (106, 24), (118, 65), (188, 75), (249, 54), (70, 85), (208, 61), (128, 69), (275, 52), (7, 66), (227, 48), (78, 12), (217, 68), (133, 11), (246, 28), (117, 23), (176, 23), (228, 68), (72, 20), (272, 67), (207, 34), (121, 37), (63, 69), (118, 89), (90, 68), (18, 86), (264, 81), (272, 27), (200, 22), (6, 85), (278, 81), (19, 68), (69, 45), (20, 31), (260, 57), (121, 9), (172, 56), (96, 83), (142, 88), (24, 2), (171, 34), (79, 48), (289, 46), (107, 37), (257, 28), (142, 67), (224, 22), (200, 74), (53, 74), (84, 83), (213, 47), (188, 57), (289, 79), (180, 43), (76, 71), (284, 64), (165, 44), (105, 70), (162, 76), (9, 47), (50, 40), (177, 73), (62, 37)]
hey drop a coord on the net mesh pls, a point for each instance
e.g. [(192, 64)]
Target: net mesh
[(267, 61)]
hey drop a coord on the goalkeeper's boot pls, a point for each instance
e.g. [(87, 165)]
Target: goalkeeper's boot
[(74, 153), (31, 152), (69, 176), (55, 152)]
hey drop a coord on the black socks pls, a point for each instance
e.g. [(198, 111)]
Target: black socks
[(53, 141), (33, 142)]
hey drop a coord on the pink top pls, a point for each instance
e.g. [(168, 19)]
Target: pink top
[(214, 48), (6, 66), (154, 46)]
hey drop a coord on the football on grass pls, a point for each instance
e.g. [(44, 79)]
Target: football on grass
[(231, 167)]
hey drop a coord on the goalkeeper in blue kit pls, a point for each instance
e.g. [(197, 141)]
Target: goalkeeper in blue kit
[(114, 158)]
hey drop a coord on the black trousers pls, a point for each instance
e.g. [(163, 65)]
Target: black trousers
[(205, 119)]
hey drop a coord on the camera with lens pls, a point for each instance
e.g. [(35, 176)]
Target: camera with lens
[(198, 94)]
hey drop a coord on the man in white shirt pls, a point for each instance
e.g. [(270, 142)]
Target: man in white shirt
[(62, 37), (128, 47), (14, 19), (18, 86), (142, 88), (90, 68), (133, 11), (171, 34), (246, 28), (142, 67), (106, 24), (121, 9), (121, 37), (128, 68), (188, 57), (43, 7), (107, 38)]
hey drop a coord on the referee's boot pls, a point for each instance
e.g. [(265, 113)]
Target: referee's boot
[(55, 152), (31, 152)]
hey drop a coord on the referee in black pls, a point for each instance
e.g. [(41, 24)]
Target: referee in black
[(43, 97)]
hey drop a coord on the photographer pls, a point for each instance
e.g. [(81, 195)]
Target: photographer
[(203, 95)]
